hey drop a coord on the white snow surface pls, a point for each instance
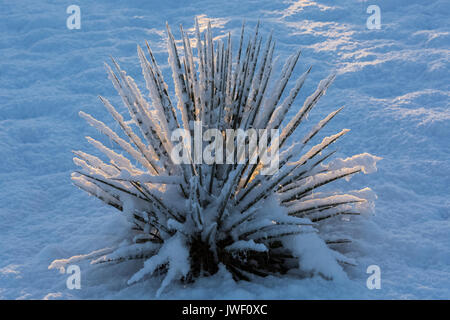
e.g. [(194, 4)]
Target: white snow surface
[(393, 82)]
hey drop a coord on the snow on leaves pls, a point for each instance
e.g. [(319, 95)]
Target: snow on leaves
[(190, 219)]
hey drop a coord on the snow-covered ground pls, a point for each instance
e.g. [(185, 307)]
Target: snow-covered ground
[(394, 83)]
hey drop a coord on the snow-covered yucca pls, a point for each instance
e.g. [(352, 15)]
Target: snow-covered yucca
[(190, 219)]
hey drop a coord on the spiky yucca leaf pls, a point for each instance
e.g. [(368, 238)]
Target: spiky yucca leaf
[(190, 218)]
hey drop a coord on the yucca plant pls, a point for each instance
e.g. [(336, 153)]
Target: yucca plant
[(189, 218)]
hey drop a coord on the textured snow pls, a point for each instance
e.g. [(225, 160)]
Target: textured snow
[(315, 257), (366, 162), (247, 245), (393, 82)]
